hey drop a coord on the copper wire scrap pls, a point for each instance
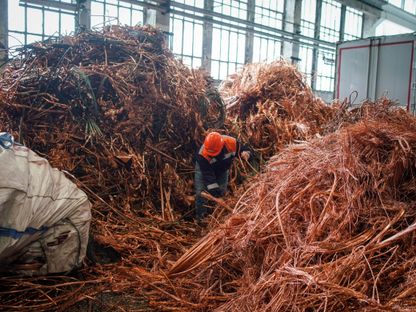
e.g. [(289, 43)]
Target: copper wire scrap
[(329, 225), (270, 105), (123, 118)]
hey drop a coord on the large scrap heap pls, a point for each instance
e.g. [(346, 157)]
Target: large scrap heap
[(116, 110), (326, 224)]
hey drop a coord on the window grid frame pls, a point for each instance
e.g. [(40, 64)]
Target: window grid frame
[(235, 38), (356, 15), (42, 35), (195, 58), (114, 20)]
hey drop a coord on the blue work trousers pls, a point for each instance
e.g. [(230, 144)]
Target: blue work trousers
[(200, 208)]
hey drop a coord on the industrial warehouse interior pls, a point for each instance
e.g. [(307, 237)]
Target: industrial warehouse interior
[(207, 155)]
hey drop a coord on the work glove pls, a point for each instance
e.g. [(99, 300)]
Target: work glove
[(245, 155)]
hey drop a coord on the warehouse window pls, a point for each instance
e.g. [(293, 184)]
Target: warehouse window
[(307, 24), (330, 21), (410, 6), (307, 28), (268, 13), (186, 35), (353, 24), (305, 63), (228, 44), (326, 71), (407, 5), (329, 31), (109, 12), (194, 3), (266, 49), (234, 8), (397, 3), (228, 48), (36, 23)]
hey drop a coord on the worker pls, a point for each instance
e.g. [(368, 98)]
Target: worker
[(213, 162)]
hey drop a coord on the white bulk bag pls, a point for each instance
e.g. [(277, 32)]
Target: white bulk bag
[(44, 217)]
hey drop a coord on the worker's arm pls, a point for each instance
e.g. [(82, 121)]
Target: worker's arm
[(208, 176)]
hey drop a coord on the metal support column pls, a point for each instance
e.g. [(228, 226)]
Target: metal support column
[(84, 16), (288, 22), (145, 14), (342, 22), (316, 48), (207, 37), (4, 29), (296, 30), (157, 15), (163, 16), (149, 16), (251, 10)]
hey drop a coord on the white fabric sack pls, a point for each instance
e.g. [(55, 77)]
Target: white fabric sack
[(43, 215)]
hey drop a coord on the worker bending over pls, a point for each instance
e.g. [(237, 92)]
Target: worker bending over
[(213, 162)]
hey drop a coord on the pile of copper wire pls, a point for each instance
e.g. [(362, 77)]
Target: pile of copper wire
[(123, 118), (329, 225), (113, 108), (269, 105)]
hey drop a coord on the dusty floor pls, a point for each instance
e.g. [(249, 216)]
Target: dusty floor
[(111, 302)]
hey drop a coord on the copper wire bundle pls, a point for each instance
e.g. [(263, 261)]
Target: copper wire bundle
[(269, 105), (329, 225)]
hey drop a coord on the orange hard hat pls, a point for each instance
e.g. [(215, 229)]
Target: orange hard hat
[(213, 143)]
